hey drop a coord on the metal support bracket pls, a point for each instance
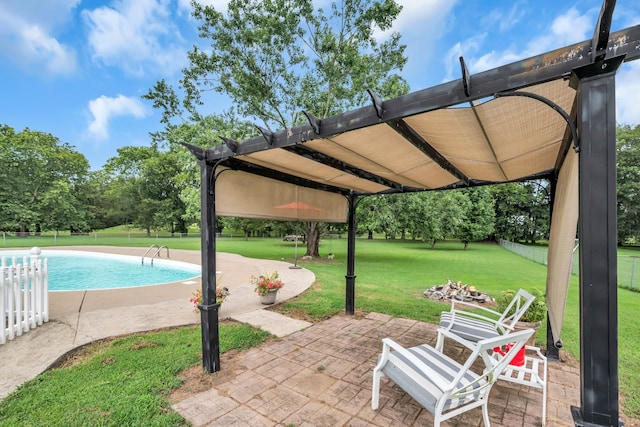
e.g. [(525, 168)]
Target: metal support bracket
[(231, 144), (556, 107), (466, 77), (378, 103), (266, 133), (313, 121)]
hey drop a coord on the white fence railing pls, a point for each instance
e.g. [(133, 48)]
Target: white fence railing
[(538, 253), (628, 266), (24, 295)]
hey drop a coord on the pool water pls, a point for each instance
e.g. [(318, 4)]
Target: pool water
[(77, 270)]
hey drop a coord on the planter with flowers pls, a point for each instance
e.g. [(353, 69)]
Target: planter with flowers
[(266, 286), (221, 294)]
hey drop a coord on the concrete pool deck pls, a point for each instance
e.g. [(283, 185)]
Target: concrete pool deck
[(77, 318)]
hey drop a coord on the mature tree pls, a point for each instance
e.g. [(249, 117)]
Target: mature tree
[(144, 187), (628, 148), (160, 191), (479, 216), (274, 58), (121, 181), (522, 211), (538, 210), (445, 216), (61, 210), (37, 172), (372, 214)]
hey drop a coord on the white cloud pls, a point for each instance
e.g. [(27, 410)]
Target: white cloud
[(136, 35), (627, 90), (26, 36), (417, 16), (568, 28), (502, 19), (452, 57), (104, 108)]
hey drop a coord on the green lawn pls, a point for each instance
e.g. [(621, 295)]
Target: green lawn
[(392, 274), (124, 382)]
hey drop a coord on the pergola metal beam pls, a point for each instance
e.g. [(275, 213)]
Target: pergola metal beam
[(316, 156), (253, 168), (600, 37), (490, 143), (421, 144), (538, 69)]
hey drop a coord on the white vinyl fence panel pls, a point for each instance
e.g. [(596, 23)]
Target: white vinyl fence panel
[(24, 295)]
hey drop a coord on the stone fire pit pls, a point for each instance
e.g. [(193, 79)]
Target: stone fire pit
[(458, 291)]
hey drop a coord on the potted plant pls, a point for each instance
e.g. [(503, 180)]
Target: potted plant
[(533, 317), (221, 294), (266, 286)]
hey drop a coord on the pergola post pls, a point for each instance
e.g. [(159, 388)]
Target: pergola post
[(595, 85), (553, 352), (209, 307), (351, 256)]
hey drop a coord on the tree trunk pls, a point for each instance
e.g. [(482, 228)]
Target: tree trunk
[(313, 239)]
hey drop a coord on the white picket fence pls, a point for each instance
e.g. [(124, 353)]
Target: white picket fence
[(24, 295)]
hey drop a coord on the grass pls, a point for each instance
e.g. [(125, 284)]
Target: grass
[(392, 274), (121, 382)]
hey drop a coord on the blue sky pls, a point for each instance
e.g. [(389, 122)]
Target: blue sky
[(77, 69)]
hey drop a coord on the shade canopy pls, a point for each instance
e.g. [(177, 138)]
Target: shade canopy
[(512, 123), (245, 195)]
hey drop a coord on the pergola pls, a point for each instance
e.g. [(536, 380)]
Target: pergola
[(551, 117)]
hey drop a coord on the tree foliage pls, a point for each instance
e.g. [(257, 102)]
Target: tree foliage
[(479, 216), (522, 211), (274, 58), (41, 180), (628, 150)]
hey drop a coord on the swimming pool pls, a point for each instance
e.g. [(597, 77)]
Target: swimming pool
[(79, 270)]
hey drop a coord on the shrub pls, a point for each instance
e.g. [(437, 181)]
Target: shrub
[(536, 312)]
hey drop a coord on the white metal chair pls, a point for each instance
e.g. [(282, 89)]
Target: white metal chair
[(468, 328), (533, 373), (440, 384)]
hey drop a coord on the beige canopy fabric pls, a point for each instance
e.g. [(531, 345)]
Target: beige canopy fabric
[(503, 139), (562, 242), (246, 195), (500, 140)]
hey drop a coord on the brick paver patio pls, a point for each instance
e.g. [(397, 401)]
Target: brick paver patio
[(321, 376)]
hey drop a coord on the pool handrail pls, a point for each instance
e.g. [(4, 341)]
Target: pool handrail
[(158, 252), (148, 250)]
